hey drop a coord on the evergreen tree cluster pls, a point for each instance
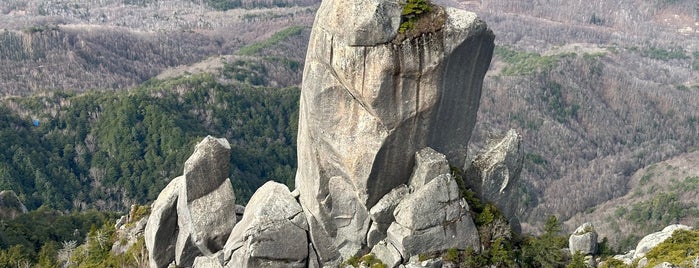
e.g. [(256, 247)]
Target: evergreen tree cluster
[(108, 150)]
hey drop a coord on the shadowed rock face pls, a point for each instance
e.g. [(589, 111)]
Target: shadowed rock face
[(368, 104)]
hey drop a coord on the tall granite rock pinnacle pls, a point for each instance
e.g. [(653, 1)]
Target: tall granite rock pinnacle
[(371, 99)]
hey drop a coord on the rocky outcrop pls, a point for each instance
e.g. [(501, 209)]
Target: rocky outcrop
[(495, 170), (369, 102), (648, 242), (433, 218), (195, 213), (382, 214), (272, 233), (376, 107), (583, 240), (161, 230), (428, 165)]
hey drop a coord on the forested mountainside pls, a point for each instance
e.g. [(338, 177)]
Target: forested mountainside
[(598, 89), (118, 44), (109, 150)]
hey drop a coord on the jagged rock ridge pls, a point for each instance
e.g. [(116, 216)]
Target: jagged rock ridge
[(381, 119)]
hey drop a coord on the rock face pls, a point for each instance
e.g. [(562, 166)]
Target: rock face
[(272, 233), (433, 218), (650, 241), (494, 171), (195, 213), (368, 103), (583, 240), (161, 230), (428, 165)]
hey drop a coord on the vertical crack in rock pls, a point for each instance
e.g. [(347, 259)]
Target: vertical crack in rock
[(368, 104)]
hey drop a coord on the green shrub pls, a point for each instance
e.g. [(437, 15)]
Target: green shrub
[(612, 263), (412, 11), (682, 248), (451, 255)]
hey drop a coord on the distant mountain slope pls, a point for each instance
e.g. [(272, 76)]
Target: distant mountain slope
[(598, 89), (108, 150), (88, 45), (660, 194)]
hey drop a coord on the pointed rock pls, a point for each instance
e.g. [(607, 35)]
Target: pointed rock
[(206, 205), (494, 172), (161, 230), (428, 165)]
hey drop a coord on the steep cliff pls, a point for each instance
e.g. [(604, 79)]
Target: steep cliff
[(371, 98)]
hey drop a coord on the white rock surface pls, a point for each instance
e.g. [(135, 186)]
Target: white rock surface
[(583, 240), (650, 241), (428, 165), (272, 233)]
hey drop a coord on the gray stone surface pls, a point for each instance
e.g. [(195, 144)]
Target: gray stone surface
[(377, 232), (387, 253), (382, 214), (367, 105), (431, 263), (433, 218), (207, 167), (205, 223), (206, 203), (351, 219), (428, 165), (272, 233), (161, 230), (650, 241), (195, 213), (495, 170), (583, 240), (213, 261)]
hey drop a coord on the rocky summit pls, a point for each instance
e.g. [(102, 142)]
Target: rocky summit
[(386, 109), (370, 100)]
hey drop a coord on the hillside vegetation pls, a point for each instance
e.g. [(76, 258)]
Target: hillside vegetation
[(112, 150), (92, 45), (598, 89)]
